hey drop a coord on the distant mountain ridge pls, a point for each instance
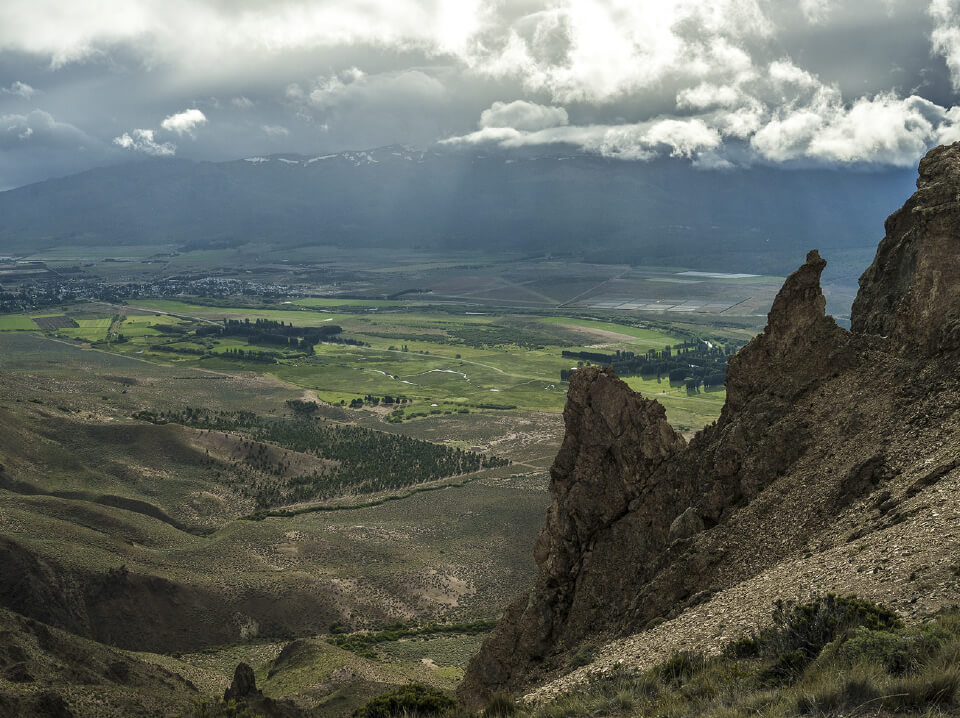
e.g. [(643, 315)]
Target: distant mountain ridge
[(608, 210)]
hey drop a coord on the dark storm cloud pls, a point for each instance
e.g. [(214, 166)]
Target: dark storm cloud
[(732, 81)]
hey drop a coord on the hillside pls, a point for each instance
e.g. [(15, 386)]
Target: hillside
[(832, 467), (133, 580), (665, 212)]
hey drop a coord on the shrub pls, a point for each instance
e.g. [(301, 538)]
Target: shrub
[(786, 668), (583, 656), (898, 652), (679, 667), (799, 632), (412, 699), (654, 622), (744, 647), (808, 627)]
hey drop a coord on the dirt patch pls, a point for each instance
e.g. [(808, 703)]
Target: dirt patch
[(50, 323), (606, 335), (232, 448)]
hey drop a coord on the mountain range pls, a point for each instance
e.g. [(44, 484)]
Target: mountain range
[(607, 210)]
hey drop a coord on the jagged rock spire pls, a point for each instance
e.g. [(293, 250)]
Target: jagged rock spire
[(911, 292), (799, 344)]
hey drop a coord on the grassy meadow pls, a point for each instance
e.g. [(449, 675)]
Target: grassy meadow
[(441, 359)]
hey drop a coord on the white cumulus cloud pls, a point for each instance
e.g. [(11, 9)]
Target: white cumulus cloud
[(523, 115), (184, 122), (786, 114), (143, 141), (640, 141)]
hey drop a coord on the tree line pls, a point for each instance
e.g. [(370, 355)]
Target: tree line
[(693, 363), (362, 460)]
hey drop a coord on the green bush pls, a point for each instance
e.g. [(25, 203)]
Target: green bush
[(808, 627), (869, 665), (897, 652), (680, 667), (413, 699), (654, 622), (800, 631), (583, 656)]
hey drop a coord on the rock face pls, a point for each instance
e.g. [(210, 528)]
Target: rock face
[(911, 292), (615, 441), (244, 685), (643, 525)]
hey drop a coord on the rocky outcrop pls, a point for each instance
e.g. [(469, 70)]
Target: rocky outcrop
[(644, 526), (911, 292), (615, 441), (243, 686), (243, 692)]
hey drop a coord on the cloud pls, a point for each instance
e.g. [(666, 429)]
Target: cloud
[(729, 81), (523, 115), (595, 51), (353, 87), (706, 95), (22, 89), (184, 122), (38, 129), (641, 141), (143, 141), (785, 114), (815, 10), (184, 32), (882, 129), (946, 35)]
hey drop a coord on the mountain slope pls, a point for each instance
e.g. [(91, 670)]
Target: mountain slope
[(833, 465), (663, 212)]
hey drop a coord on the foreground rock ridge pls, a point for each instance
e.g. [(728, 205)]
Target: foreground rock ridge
[(827, 437)]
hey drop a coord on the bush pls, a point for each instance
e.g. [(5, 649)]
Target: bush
[(808, 627), (679, 667), (413, 699), (654, 622), (898, 653), (583, 656), (799, 632)]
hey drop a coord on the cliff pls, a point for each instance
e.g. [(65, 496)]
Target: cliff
[(828, 438)]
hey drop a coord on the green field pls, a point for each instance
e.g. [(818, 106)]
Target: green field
[(443, 360), (446, 367), (16, 323)]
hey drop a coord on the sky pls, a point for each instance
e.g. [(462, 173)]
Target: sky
[(720, 84)]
